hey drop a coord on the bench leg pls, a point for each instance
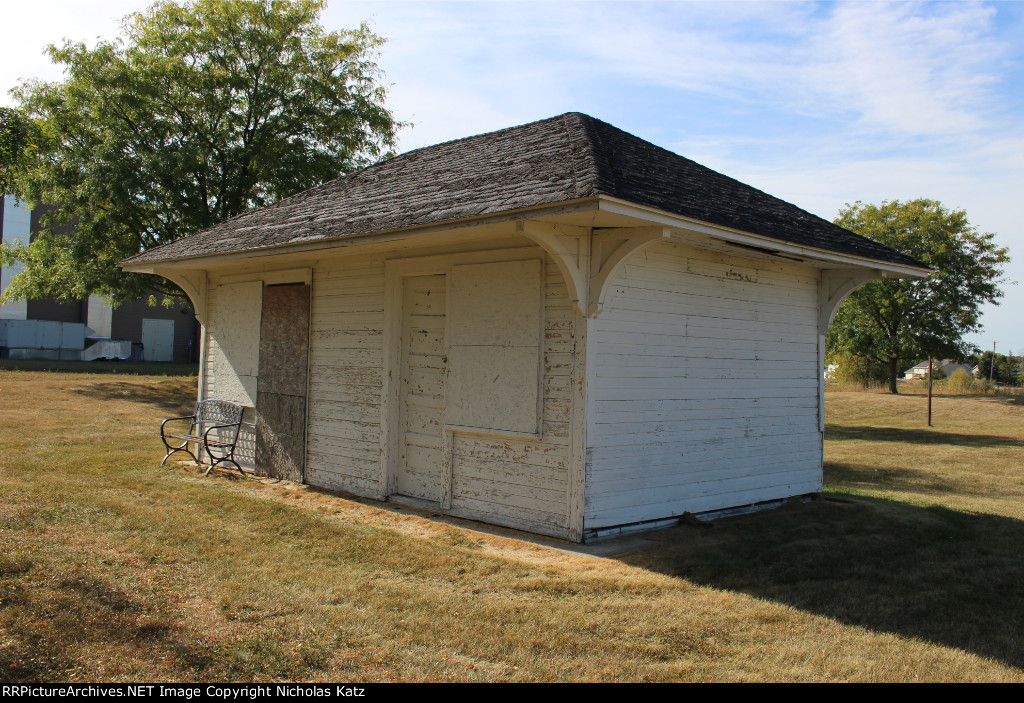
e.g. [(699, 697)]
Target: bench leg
[(182, 448), (226, 457), (223, 460)]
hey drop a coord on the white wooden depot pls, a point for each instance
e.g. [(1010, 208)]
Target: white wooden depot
[(564, 374)]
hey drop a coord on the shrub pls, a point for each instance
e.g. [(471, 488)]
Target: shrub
[(960, 382), (963, 382)]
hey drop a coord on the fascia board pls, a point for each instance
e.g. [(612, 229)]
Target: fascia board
[(624, 207)]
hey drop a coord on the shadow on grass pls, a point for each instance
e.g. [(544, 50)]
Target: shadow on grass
[(1015, 399), (40, 619), (859, 476), (932, 573), (41, 613), (169, 400), (922, 436)]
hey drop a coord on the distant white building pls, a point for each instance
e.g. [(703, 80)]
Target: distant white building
[(15, 228), (948, 366)]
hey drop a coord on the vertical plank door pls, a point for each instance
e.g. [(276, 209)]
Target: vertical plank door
[(421, 460), (281, 384)]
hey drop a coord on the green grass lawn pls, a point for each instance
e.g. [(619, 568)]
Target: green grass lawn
[(112, 568), (140, 368)]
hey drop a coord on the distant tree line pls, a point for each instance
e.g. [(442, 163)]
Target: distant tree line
[(1007, 367)]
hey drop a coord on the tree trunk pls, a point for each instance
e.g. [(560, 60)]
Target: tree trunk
[(892, 376)]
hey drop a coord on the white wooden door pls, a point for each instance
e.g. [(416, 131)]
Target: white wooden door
[(421, 433), (157, 339)]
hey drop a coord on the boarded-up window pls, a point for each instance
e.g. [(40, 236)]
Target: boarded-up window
[(494, 352), (234, 355)]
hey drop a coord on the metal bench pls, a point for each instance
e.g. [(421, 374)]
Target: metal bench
[(221, 415)]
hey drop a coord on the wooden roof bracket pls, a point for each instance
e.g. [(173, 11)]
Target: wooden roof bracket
[(609, 250), (836, 285), (569, 246), (589, 258), (192, 281)]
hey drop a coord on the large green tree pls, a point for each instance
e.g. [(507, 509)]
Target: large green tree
[(17, 134), (900, 321), (201, 111)]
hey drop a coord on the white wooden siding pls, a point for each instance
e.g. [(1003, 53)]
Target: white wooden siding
[(346, 359), (523, 483), (421, 469), (703, 386), (520, 483)]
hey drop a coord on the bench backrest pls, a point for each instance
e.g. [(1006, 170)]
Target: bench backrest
[(218, 412)]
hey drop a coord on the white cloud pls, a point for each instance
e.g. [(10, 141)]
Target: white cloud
[(908, 68), (817, 103)]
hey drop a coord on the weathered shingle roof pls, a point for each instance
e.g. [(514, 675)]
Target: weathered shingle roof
[(554, 160)]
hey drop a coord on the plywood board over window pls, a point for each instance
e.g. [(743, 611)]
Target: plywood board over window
[(494, 350), (234, 355)]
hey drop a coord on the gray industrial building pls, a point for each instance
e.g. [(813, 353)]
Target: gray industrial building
[(50, 329)]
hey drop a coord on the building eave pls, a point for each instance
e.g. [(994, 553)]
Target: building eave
[(811, 254), (823, 258), (549, 210)]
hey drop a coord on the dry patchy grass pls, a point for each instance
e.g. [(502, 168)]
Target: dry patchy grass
[(114, 569), (969, 460)]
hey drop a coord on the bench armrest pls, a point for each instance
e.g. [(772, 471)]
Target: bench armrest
[(172, 419), (211, 428)]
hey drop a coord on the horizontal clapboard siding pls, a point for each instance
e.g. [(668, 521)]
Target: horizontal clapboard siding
[(703, 387), (346, 360), (520, 483), (221, 381), (512, 482)]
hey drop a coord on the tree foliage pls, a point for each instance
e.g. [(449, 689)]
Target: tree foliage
[(1007, 367), (854, 369), (200, 112), (899, 321), (17, 137)]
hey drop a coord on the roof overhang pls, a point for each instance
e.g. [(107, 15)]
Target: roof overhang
[(568, 207), (821, 258), (760, 242)]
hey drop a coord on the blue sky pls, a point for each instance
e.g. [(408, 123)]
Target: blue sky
[(820, 104)]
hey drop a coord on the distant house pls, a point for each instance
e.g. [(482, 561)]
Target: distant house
[(50, 329), (948, 366), (557, 327)]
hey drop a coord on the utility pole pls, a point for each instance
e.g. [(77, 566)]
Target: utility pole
[(929, 390), (992, 366)]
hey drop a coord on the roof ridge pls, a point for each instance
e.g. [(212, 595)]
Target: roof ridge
[(320, 188), (606, 181), (492, 133), (578, 188), (614, 181), (565, 157)]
